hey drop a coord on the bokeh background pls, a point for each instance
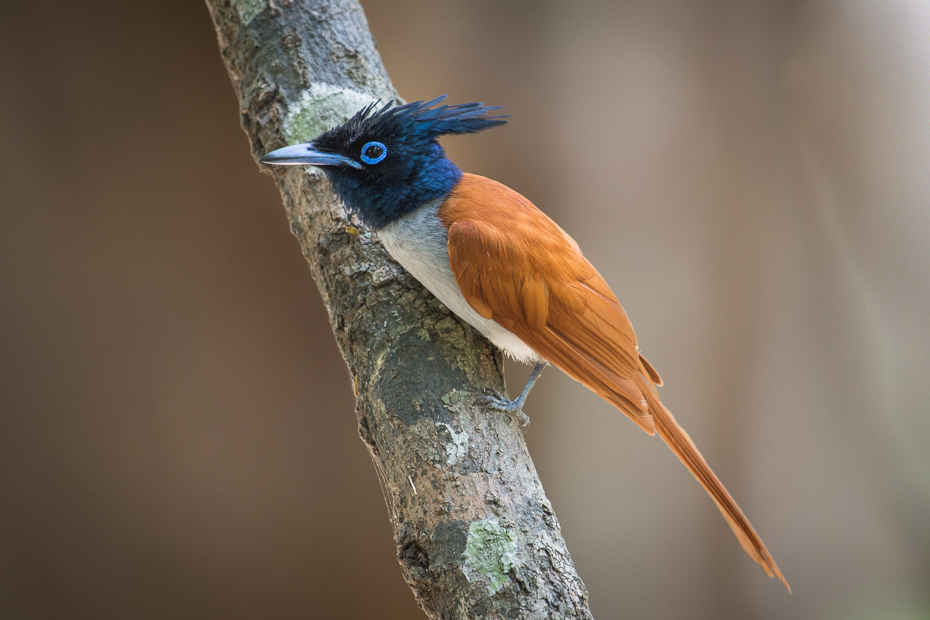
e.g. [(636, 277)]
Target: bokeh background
[(177, 436)]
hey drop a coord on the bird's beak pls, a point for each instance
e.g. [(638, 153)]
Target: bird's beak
[(304, 155)]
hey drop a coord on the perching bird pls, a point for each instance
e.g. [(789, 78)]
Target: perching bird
[(501, 265)]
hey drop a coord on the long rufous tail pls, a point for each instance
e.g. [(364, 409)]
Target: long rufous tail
[(681, 444)]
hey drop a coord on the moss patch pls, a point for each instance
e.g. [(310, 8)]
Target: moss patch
[(490, 553), (458, 447), (248, 9), (319, 108)]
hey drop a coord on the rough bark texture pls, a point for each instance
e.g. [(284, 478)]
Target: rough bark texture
[(476, 536)]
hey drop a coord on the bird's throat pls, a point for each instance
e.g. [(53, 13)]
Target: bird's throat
[(379, 202)]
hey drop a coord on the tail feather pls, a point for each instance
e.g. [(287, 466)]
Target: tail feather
[(681, 444)]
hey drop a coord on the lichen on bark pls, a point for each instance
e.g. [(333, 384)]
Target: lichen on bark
[(490, 553)]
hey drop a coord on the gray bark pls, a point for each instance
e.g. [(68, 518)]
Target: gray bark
[(476, 536)]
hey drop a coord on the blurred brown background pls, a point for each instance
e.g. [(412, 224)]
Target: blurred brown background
[(177, 437)]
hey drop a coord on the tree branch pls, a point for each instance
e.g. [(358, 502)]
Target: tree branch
[(475, 534)]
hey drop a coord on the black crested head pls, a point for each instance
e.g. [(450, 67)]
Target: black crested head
[(384, 163)]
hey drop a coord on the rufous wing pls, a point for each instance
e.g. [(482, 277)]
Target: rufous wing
[(517, 267)]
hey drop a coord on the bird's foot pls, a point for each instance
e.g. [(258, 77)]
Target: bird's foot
[(498, 402)]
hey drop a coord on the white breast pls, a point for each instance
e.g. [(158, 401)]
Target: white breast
[(419, 242)]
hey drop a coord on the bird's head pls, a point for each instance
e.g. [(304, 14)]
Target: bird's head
[(384, 163)]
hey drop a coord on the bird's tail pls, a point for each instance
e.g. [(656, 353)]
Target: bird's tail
[(681, 444)]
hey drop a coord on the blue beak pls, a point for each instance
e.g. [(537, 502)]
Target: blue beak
[(304, 155)]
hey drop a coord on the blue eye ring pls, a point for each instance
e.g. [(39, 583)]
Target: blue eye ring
[(373, 160)]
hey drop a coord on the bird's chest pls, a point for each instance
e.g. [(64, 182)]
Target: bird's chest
[(419, 242)]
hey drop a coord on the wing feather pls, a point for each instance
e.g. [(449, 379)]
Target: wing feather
[(551, 297)]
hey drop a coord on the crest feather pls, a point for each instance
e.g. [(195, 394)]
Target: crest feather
[(419, 120)]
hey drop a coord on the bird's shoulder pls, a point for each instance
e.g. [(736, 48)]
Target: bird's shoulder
[(511, 219)]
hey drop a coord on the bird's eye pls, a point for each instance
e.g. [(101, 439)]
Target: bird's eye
[(373, 152)]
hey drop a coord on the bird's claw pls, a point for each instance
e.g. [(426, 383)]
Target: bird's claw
[(493, 399), (496, 401)]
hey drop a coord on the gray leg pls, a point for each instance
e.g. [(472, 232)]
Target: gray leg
[(497, 401)]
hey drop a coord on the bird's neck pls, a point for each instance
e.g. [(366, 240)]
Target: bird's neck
[(433, 176)]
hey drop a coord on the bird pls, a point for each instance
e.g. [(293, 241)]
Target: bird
[(501, 265)]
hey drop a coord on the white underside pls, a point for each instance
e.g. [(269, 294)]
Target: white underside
[(420, 243)]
